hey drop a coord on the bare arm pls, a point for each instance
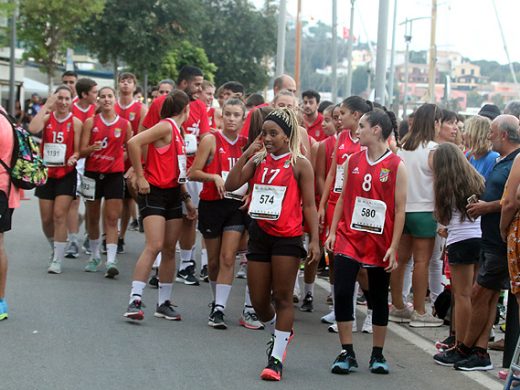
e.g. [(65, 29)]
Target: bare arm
[(85, 149), (38, 122), (321, 161), (245, 167), (338, 212), (509, 204)]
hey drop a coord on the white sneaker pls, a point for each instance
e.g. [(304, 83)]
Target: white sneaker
[(400, 315), (329, 318), (425, 320), (333, 328), (242, 271), (54, 267), (367, 324)]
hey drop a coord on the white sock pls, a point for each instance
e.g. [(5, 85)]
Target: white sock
[(59, 251), (354, 299), (221, 296), (111, 253), (269, 325), (203, 257), (137, 290), (73, 237), (248, 306), (157, 262), (185, 259), (309, 287), (281, 339), (165, 292), (94, 247), (213, 286)]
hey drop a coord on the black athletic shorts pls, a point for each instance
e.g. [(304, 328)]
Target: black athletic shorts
[(6, 213), (464, 252), (67, 185), (127, 190), (262, 246), (108, 185), (217, 216), (164, 202)]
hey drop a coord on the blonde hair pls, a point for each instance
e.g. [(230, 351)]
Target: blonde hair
[(477, 129), (289, 118)]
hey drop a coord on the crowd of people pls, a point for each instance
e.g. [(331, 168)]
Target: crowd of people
[(388, 207)]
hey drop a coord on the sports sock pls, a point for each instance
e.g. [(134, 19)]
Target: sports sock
[(185, 259), (349, 348), (377, 351), (213, 286), (137, 290), (59, 251), (73, 237), (157, 261), (111, 253), (248, 306), (281, 339), (165, 292), (221, 296), (51, 242), (309, 287), (94, 248)]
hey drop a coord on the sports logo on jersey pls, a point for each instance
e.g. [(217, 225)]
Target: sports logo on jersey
[(68, 126), (95, 130), (355, 171), (221, 150), (131, 116), (117, 132), (341, 147), (287, 164), (383, 175)]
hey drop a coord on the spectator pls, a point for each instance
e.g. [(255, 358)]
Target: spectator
[(513, 108), (480, 154), (490, 111)]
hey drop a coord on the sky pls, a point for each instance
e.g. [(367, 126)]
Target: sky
[(467, 26)]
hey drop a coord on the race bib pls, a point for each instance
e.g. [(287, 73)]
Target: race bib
[(88, 188), (237, 194), (368, 215), (266, 201), (190, 141), (54, 154), (338, 184), (181, 159)]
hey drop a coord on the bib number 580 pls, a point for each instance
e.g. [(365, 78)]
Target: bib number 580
[(368, 213)]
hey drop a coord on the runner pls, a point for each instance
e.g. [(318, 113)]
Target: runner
[(282, 197), (60, 149), (103, 143), (70, 78), (165, 87), (312, 119), (365, 232), (161, 194), (221, 219)]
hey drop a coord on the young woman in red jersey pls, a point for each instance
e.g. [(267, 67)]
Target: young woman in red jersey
[(222, 221), (365, 231), (282, 197), (103, 143), (60, 149), (161, 189)]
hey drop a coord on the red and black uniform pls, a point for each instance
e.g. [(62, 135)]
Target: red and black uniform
[(162, 170), (58, 134), (216, 214), (83, 114), (315, 129), (276, 207)]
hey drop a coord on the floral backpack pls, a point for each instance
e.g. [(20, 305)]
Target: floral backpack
[(27, 169)]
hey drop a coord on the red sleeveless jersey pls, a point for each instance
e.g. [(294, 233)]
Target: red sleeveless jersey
[(82, 114), (110, 159), (367, 224), (330, 144), (345, 147), (132, 113), (226, 154), (315, 129), (278, 171), (211, 117), (162, 166), (59, 131)]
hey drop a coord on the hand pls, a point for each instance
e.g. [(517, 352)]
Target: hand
[(246, 199), (72, 160), (330, 242), (98, 145), (313, 254), (442, 231), (191, 210), (50, 103), (130, 173), (476, 209), (143, 187), (255, 147), (321, 219), (220, 184), (503, 234), (390, 258)]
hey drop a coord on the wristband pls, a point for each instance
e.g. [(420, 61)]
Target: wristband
[(185, 197)]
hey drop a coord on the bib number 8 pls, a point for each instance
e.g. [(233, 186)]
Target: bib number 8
[(367, 182)]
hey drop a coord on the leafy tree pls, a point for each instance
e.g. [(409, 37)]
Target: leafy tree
[(48, 27)]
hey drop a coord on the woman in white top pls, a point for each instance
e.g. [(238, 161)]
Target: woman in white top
[(420, 226)]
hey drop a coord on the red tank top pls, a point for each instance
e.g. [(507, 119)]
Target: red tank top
[(367, 225), (82, 114), (226, 154), (278, 171), (330, 144), (162, 164), (110, 159), (132, 113), (59, 132), (345, 147)]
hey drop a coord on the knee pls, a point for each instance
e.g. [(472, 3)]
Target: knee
[(282, 300), (154, 247), (227, 260)]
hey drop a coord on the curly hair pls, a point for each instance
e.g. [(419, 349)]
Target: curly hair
[(477, 130)]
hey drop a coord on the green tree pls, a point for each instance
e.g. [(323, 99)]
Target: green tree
[(360, 77), (48, 27)]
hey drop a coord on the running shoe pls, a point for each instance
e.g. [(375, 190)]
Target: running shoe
[(361, 299), (120, 245), (154, 281), (497, 345), (86, 245), (112, 270), (400, 316), (476, 361), (295, 298), (92, 265), (378, 365), (307, 304), (249, 320), (329, 318), (4, 309), (344, 364), (449, 357), (367, 324), (425, 320), (329, 299), (216, 320), (72, 250), (333, 328), (187, 276), (167, 311), (134, 311), (273, 370), (242, 271), (270, 346), (134, 225), (104, 246), (54, 267), (444, 345), (204, 273)]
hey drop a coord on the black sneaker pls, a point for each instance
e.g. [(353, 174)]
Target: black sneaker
[(378, 365), (134, 225), (307, 304), (204, 274), (187, 276), (273, 370), (167, 311), (120, 245), (154, 281), (444, 345), (104, 246), (476, 361), (211, 305), (134, 311), (449, 357), (216, 320), (344, 363)]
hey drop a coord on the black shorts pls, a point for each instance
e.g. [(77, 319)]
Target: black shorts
[(493, 272), (6, 213), (164, 202), (262, 246), (128, 194), (218, 216), (67, 185), (464, 252), (108, 185)]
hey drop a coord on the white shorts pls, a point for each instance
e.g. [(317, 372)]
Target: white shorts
[(194, 188)]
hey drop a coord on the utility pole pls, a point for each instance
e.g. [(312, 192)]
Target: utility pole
[(392, 60), (350, 43), (382, 32), (12, 62), (298, 46), (280, 45), (433, 54), (511, 68), (408, 39), (334, 51)]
